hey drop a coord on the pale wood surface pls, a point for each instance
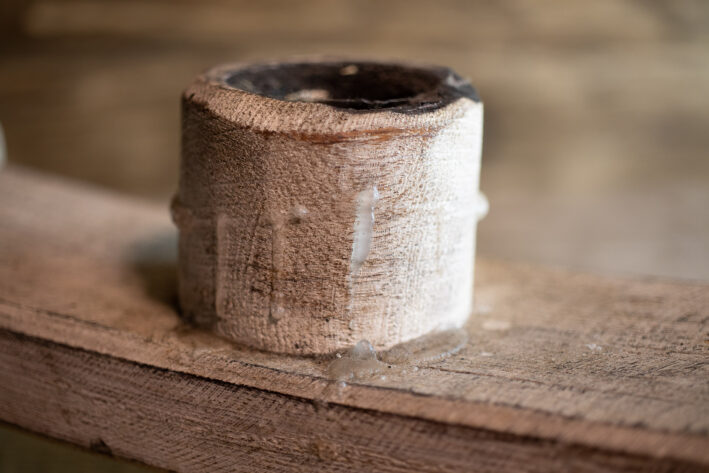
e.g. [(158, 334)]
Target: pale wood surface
[(306, 227), (560, 368)]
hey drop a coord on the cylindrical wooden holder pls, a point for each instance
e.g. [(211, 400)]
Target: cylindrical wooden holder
[(325, 202)]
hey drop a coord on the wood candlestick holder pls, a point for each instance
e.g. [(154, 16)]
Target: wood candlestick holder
[(323, 202)]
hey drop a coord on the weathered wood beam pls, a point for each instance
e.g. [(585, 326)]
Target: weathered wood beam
[(561, 370)]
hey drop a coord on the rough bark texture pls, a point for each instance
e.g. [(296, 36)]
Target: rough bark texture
[(562, 371), (338, 204)]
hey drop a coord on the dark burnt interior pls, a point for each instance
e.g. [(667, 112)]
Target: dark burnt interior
[(356, 86)]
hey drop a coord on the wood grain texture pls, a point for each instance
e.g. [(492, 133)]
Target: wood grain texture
[(562, 370), (306, 226)]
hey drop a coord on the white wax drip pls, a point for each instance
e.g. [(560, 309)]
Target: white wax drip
[(364, 224)]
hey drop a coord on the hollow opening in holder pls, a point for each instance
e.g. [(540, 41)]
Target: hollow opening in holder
[(355, 86)]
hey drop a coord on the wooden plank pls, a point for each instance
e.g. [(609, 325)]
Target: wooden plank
[(561, 370)]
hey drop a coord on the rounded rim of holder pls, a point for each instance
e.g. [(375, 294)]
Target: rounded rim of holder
[(313, 95)]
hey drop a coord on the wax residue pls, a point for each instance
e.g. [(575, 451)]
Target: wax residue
[(427, 349), (482, 206), (362, 361), (298, 213), (364, 224), (279, 222), (308, 95)]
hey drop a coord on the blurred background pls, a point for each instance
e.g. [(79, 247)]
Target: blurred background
[(596, 152)]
